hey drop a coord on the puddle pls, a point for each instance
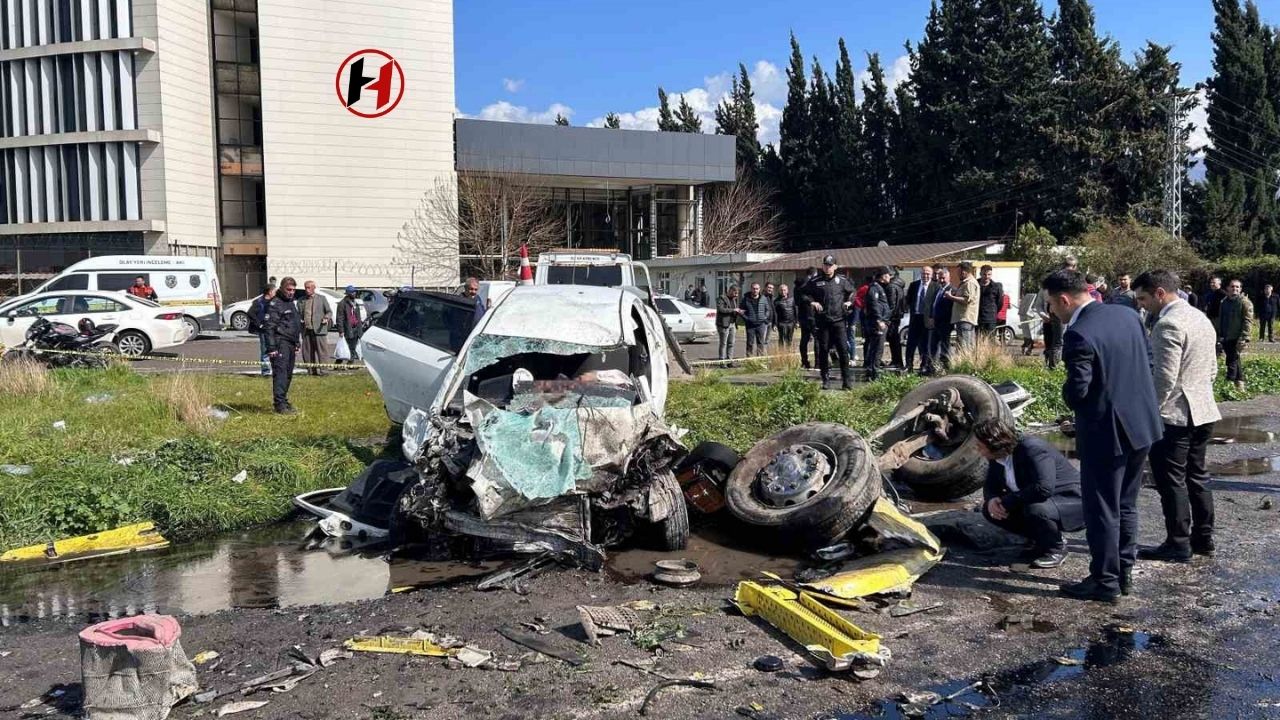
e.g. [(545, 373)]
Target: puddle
[(1245, 467), (271, 567), (712, 549), (976, 696), (1242, 430)]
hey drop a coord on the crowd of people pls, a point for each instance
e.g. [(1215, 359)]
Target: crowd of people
[(1139, 379)]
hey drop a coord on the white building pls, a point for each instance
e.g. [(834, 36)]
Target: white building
[(228, 128)]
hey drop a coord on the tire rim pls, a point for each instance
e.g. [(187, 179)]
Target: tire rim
[(193, 328), (239, 321), (132, 345), (795, 475)]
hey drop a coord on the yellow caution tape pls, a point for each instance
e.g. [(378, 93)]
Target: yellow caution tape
[(399, 645), (131, 538), (832, 640)]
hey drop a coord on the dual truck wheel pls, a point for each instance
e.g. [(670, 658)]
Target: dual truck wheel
[(813, 483)]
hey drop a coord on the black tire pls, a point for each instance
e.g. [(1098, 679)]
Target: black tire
[(240, 320), (723, 456), (673, 532), (962, 470), (1005, 335), (841, 505), (132, 343)]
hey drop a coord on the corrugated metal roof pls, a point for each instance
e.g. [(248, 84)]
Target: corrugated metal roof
[(868, 257)]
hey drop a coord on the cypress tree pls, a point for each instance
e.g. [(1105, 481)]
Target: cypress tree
[(666, 122), (795, 140), (822, 206), (687, 120), (561, 119), (877, 127), (612, 121)]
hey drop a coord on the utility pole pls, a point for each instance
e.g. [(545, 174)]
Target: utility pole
[(1173, 171)]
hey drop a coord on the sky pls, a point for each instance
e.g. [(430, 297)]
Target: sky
[(527, 61)]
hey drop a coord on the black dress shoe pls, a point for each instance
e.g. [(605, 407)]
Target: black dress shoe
[(1089, 589), (1166, 552), (1203, 546), (1050, 559), (826, 384), (1126, 582)]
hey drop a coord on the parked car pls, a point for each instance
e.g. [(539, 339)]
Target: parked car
[(141, 325), (186, 284), (375, 302), (687, 323), (1013, 327), (236, 315)]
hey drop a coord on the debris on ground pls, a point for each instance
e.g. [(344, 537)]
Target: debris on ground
[(217, 413), (600, 622), (702, 684), (1068, 661), (130, 538), (241, 706), (472, 657), (398, 645), (832, 641), (1266, 503), (99, 398), (768, 663), (205, 656), (509, 577), (1016, 620), (240, 477), (60, 425), (906, 608), (677, 573), (965, 527), (135, 667), (16, 469), (534, 642)]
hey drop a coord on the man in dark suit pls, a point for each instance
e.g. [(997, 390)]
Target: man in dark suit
[(917, 305), (1110, 388), (1032, 490)]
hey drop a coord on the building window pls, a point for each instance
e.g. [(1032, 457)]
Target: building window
[(664, 282)]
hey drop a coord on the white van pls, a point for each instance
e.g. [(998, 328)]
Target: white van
[(603, 268), (186, 284)]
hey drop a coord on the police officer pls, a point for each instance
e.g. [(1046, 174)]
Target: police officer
[(282, 328), (830, 296), (805, 312), (875, 322)]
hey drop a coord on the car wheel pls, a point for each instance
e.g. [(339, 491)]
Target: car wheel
[(808, 485), (132, 343), (193, 327), (1006, 335), (942, 473), (673, 531), (240, 321), (104, 354)]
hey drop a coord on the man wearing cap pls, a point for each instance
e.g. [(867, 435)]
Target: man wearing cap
[(830, 296), (348, 323)]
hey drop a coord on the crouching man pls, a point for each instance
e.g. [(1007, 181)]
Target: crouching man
[(1031, 490)]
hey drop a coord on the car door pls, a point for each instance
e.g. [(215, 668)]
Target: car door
[(412, 345), (14, 324), (100, 309)]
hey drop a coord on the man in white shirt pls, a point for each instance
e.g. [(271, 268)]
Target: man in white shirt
[(1184, 365), (1031, 490)]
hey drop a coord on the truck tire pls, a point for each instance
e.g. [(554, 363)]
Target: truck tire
[(723, 457), (841, 504), (960, 469)]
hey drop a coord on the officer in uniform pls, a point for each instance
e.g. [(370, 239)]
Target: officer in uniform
[(282, 328), (830, 296)]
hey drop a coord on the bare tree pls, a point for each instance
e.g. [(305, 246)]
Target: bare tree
[(740, 217), (476, 223)]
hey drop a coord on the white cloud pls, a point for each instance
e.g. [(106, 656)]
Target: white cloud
[(506, 112), (895, 75), (512, 85)]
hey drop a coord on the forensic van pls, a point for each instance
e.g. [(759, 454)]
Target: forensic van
[(186, 284)]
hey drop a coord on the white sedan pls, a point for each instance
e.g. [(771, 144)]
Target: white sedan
[(687, 322), (236, 315), (141, 325)]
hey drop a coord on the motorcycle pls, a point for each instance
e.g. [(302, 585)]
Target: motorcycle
[(58, 344)]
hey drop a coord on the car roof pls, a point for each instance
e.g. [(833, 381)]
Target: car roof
[(113, 294), (583, 314)]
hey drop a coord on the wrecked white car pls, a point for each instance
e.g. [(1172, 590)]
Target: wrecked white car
[(540, 429)]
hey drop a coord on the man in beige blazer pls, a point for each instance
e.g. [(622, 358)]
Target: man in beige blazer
[(1184, 365)]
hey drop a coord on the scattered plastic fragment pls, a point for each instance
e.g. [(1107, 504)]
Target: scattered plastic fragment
[(130, 538), (16, 469), (1266, 504), (473, 657), (703, 684), (333, 655), (240, 706), (832, 641), (768, 663), (204, 657), (399, 645), (600, 622), (99, 398), (60, 425), (240, 477), (1068, 661), (217, 413), (534, 642)]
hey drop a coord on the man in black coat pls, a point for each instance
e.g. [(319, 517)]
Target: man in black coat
[(282, 328), (918, 308), (895, 291), (804, 313), (876, 312), (1110, 388), (1031, 490)]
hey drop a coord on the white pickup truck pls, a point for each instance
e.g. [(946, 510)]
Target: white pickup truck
[(602, 268)]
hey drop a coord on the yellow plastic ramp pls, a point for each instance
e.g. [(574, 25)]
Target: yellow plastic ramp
[(130, 538), (398, 645), (833, 641)]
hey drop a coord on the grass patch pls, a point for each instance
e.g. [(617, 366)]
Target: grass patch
[(23, 378), (144, 447)]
